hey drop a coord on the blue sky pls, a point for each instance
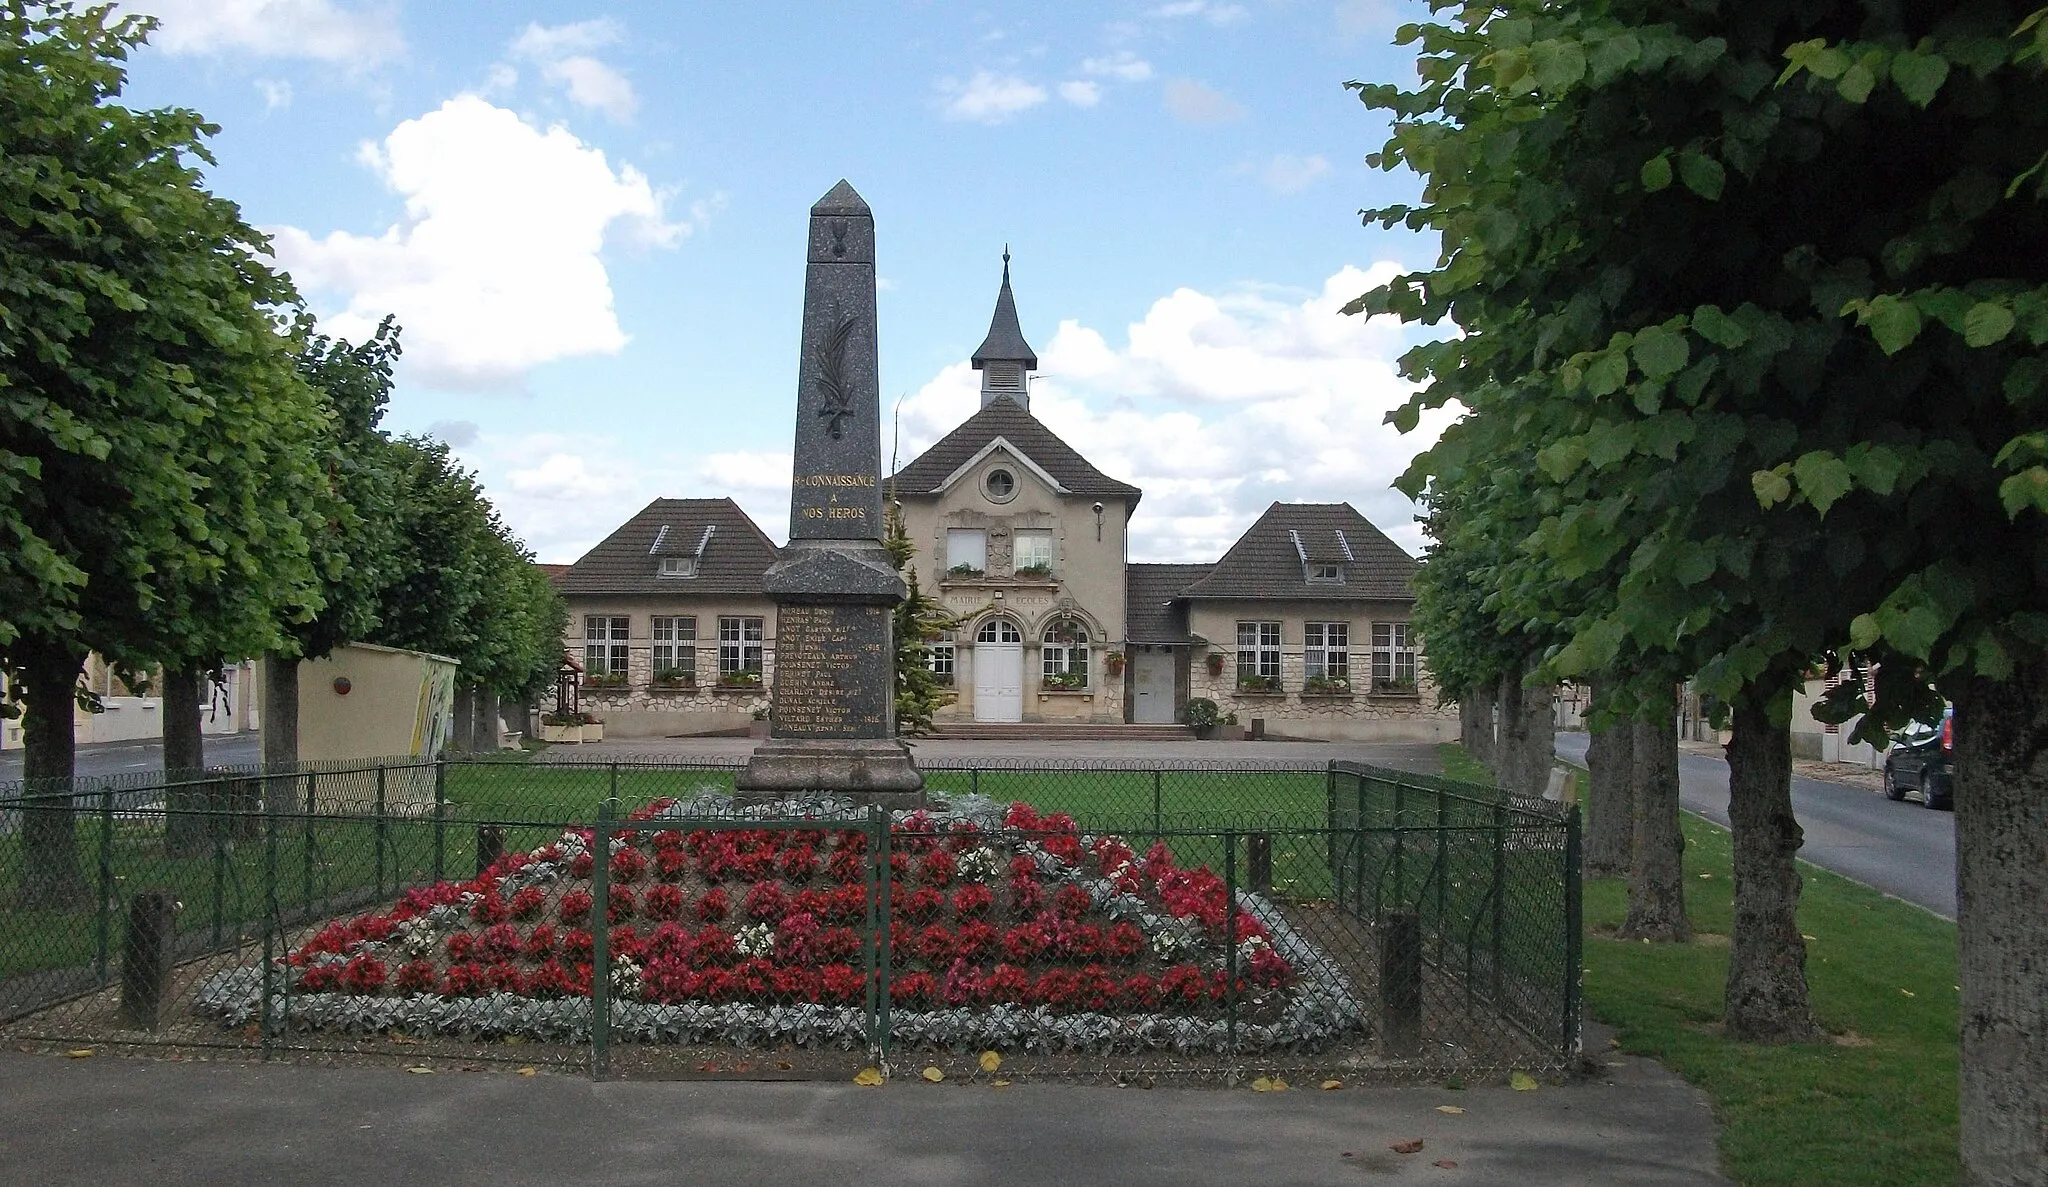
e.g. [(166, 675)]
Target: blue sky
[(589, 220)]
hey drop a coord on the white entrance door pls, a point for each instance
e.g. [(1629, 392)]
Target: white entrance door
[(998, 672), (1152, 680)]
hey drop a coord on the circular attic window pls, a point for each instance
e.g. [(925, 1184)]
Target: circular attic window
[(1001, 486)]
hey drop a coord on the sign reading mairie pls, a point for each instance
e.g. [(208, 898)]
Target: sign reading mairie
[(832, 720)]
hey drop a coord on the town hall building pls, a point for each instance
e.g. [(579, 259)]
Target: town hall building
[(1301, 628)]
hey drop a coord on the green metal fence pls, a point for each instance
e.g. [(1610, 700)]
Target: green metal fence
[(631, 919)]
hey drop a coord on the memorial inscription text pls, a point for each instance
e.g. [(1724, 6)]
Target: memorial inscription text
[(825, 660)]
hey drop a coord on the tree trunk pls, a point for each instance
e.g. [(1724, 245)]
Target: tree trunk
[(2001, 798), (1767, 999), (1528, 738), (281, 711), (462, 735), (185, 831), (1656, 871), (489, 721), (1475, 713), (1610, 801), (50, 878)]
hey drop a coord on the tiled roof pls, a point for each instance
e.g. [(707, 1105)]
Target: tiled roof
[(1268, 560), (554, 573), (1004, 418), (1151, 613), (732, 553)]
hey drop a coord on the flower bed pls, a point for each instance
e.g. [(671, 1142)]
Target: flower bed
[(1006, 929)]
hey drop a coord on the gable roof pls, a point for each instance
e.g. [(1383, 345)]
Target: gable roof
[(553, 572), (1023, 432), (1152, 611), (1270, 559), (1005, 341), (731, 550)]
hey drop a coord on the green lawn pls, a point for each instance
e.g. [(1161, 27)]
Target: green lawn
[(1876, 1106)]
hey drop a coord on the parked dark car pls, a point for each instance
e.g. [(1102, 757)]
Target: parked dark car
[(1922, 761)]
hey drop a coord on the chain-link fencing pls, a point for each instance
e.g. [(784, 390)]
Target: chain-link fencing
[(635, 919)]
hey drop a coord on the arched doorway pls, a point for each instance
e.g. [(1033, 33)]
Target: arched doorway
[(999, 671)]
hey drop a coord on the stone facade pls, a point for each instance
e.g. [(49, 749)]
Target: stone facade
[(641, 708)]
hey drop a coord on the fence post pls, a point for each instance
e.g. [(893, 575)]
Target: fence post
[(612, 792), (220, 891), (266, 1023), (1499, 895), (146, 957), (1158, 805), (885, 934), (383, 827), (1330, 826), (1400, 848), (1230, 939), (103, 918), (601, 943), (1401, 983), (1574, 940), (440, 819), (974, 780), (1443, 866), (310, 843)]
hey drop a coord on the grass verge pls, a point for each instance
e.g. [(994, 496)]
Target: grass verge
[(1877, 1105)]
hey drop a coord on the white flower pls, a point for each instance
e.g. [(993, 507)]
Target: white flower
[(980, 865), (625, 977), (758, 940)]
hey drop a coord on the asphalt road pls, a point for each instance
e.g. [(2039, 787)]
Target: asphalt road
[(1902, 849), (126, 758)]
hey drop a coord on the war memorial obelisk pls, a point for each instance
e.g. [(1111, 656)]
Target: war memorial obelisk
[(832, 720)]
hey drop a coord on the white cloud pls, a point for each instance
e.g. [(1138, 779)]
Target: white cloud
[(497, 265), (1215, 14), (563, 53), (324, 31), (1357, 18), (276, 93), (1289, 174), (1199, 104), (1218, 405), (988, 98), (1124, 66), (1081, 93)]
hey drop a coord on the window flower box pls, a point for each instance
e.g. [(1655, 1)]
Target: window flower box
[(1033, 573), (1326, 686), (746, 680), (1066, 682), (1258, 684), (1394, 688), (965, 573), (604, 681), (674, 680)]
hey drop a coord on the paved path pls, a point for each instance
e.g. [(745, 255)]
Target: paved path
[(1411, 756), (125, 758), (1902, 849), (130, 1120)]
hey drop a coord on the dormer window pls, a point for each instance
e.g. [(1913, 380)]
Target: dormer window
[(1324, 574), (679, 566)]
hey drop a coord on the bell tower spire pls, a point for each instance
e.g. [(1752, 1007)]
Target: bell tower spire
[(1004, 357)]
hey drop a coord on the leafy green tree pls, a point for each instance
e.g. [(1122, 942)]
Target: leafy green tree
[(152, 469), (1764, 287), (919, 621)]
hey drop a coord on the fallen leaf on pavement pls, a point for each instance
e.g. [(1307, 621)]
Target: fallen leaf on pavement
[(868, 1077), (421, 1071), (81, 1053), (1269, 1084), (990, 1061), (1453, 1110), (1445, 1163), (1002, 1083), (1332, 1085), (1411, 1146), (933, 1074), (1522, 1082), (528, 1071)]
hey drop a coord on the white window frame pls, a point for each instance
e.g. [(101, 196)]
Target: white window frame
[(675, 644), (677, 566), (1041, 541), (998, 630), (940, 660), (1064, 651), (1258, 650), (1326, 651), (739, 644), (604, 644), (966, 546), (1393, 654)]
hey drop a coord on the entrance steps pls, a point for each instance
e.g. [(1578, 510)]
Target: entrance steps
[(1056, 731)]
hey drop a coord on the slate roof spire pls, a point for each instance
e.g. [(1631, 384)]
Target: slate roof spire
[(1004, 356)]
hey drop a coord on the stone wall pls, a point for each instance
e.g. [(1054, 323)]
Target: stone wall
[(639, 709)]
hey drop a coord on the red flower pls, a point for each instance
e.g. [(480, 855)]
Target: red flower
[(1184, 984), (670, 942), (581, 865), (1023, 868), (975, 938), (668, 841), (961, 986), (460, 944), (504, 978), (671, 864), (1027, 896), (915, 834), (1071, 901), (796, 938), (921, 905), (1057, 988), (576, 944), (913, 989), (1078, 941), (765, 902), (576, 906), (713, 906), (623, 942), (797, 985), (938, 868), (628, 865), (363, 973), (1123, 942), (416, 976), (490, 909), (1024, 942), (662, 902), (798, 864), (714, 946), (550, 980), (848, 904), (527, 902), (540, 943), (620, 905), (965, 835), (934, 945), (1021, 816), (837, 943), (841, 983), (465, 980), (500, 941), (321, 978), (846, 865), (1139, 992), (1270, 970), (1006, 983), (973, 901)]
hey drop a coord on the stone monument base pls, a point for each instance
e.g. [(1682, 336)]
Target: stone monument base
[(877, 771)]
